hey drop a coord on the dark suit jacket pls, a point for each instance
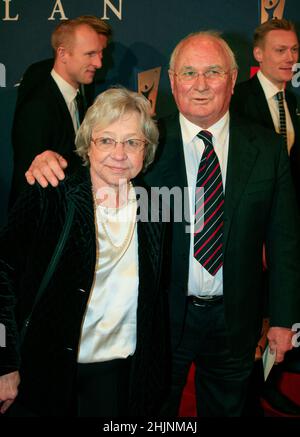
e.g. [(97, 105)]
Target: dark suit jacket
[(42, 121), (259, 206), (48, 358), (37, 73), (249, 100)]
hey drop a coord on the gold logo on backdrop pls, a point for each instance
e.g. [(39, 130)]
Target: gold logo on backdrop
[(148, 82), (271, 9)]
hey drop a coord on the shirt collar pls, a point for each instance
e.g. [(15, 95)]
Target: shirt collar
[(269, 88), (67, 90), (190, 130)]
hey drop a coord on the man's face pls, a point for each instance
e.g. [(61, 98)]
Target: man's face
[(276, 56), (205, 99), (84, 56)]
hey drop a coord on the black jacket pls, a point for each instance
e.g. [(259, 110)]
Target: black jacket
[(259, 206), (42, 122), (48, 357), (249, 100)]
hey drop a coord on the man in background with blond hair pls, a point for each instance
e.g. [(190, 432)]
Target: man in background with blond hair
[(266, 100), (276, 49), (50, 103)]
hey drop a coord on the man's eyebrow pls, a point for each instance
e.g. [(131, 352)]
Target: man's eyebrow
[(91, 52), (285, 46), (190, 67)]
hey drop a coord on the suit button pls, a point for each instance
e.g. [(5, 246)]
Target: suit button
[(81, 290)]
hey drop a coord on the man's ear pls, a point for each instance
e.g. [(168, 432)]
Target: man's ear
[(61, 54), (171, 77), (258, 54), (234, 76)]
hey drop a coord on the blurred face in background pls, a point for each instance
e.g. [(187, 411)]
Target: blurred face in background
[(80, 59), (277, 55)]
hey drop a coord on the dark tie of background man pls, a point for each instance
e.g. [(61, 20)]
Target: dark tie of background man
[(80, 105), (282, 119), (209, 204)]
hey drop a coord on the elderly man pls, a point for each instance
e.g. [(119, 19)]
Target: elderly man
[(240, 196)]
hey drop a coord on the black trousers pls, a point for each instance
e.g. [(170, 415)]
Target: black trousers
[(221, 381), (103, 388), (100, 390)]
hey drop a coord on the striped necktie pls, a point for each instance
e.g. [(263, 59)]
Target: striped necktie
[(209, 205), (282, 119)]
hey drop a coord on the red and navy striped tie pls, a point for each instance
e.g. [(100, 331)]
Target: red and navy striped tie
[(209, 206)]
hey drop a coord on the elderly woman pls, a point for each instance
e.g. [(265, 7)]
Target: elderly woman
[(96, 339)]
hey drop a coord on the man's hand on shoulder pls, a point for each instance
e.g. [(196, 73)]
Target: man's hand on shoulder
[(8, 389), (46, 168)]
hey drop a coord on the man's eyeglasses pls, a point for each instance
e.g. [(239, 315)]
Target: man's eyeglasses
[(211, 75), (132, 145)]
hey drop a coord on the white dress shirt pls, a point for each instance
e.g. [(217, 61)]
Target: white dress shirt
[(270, 91), (200, 282), (69, 94)]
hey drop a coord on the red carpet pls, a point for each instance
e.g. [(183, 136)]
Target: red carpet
[(188, 406), (289, 385)]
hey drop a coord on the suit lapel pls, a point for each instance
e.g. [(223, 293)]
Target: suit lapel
[(79, 192), (176, 176), (62, 106), (173, 164), (260, 103), (150, 234), (292, 106), (170, 171), (241, 159)]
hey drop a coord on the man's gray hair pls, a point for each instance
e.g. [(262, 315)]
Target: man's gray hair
[(208, 33)]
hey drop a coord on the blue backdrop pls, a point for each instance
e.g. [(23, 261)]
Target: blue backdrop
[(145, 32)]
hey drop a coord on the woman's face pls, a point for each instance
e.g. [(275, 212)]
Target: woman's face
[(112, 166)]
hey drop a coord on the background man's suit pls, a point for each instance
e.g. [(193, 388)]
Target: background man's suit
[(42, 121), (259, 206), (249, 100)]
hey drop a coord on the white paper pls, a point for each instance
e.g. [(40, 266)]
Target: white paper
[(268, 361)]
